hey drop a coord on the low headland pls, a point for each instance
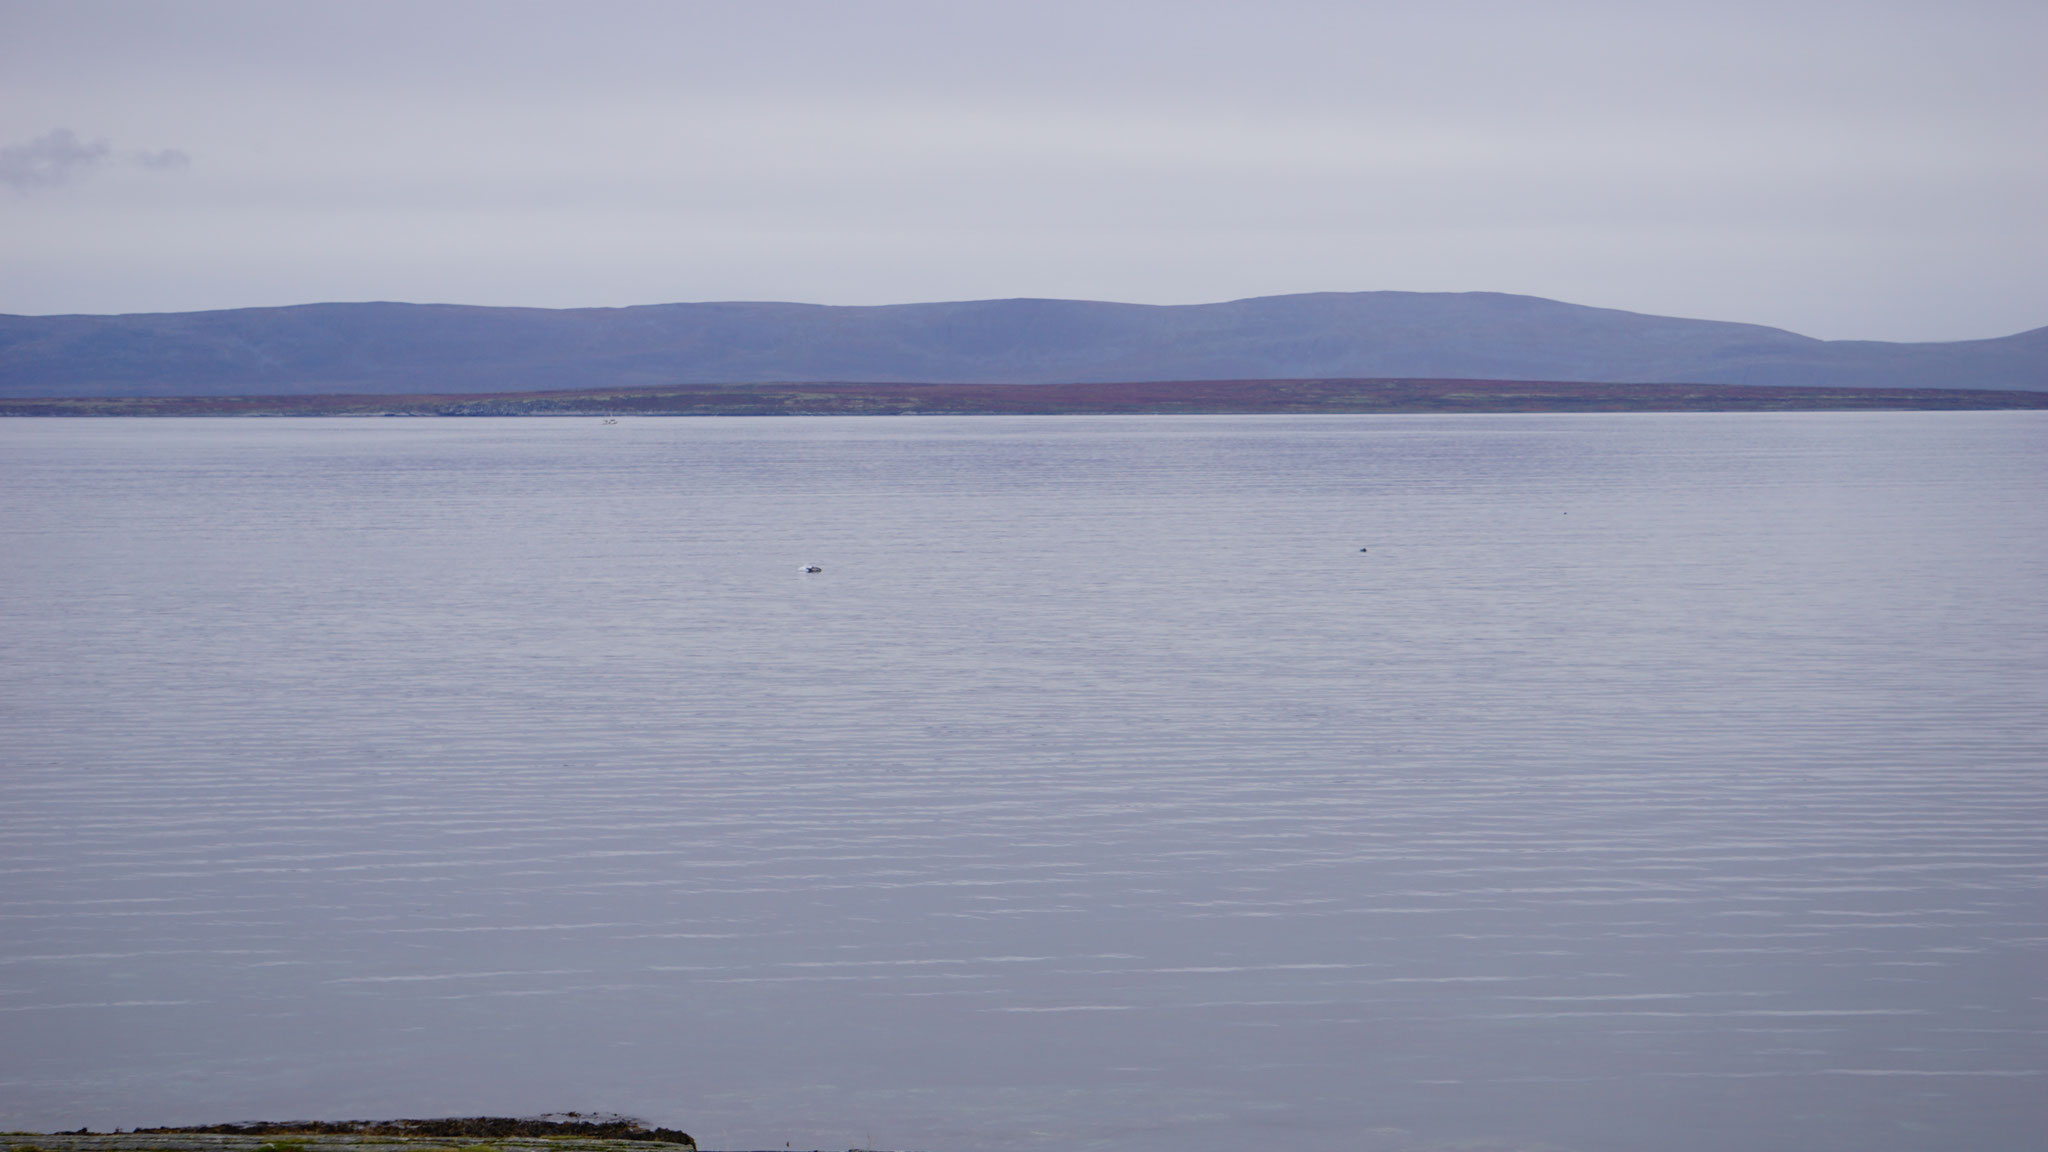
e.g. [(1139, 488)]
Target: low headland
[(1165, 397), (556, 1132)]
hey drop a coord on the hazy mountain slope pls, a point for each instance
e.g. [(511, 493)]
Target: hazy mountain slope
[(450, 348)]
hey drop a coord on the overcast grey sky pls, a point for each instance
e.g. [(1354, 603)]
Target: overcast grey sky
[(1844, 169)]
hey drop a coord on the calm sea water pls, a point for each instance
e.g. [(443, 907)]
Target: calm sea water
[(1653, 782)]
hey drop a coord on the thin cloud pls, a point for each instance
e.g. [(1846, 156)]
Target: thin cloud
[(55, 157), (164, 160), (49, 159)]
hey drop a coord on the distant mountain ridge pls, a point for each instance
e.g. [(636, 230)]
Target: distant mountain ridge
[(385, 348)]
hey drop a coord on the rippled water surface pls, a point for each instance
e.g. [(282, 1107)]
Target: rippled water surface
[(1653, 782)]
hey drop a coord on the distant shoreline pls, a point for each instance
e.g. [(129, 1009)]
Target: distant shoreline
[(180, 1140), (557, 1132), (1153, 398)]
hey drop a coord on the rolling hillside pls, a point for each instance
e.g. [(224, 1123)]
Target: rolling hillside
[(386, 348)]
